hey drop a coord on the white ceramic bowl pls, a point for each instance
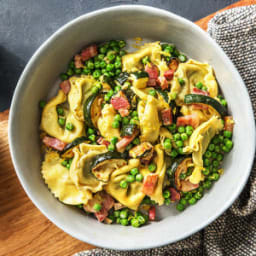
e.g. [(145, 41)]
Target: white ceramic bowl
[(42, 72)]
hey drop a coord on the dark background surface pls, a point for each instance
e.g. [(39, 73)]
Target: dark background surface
[(26, 24)]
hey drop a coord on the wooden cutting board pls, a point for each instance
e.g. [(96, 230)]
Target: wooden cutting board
[(24, 230)]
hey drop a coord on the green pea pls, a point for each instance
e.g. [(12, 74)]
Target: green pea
[(114, 140), (181, 129), (64, 163), (142, 219), (63, 76), (130, 178), (118, 71), (115, 124), (184, 136), (78, 71), (167, 201), (101, 56), (94, 90), (211, 147), (183, 176), (86, 71), (71, 64), (181, 81), (199, 85), (204, 88), (117, 214), (136, 141), (92, 137), (188, 195), (125, 120), (124, 222), (183, 201), (107, 97), (227, 134), (152, 92), (133, 121), (134, 171), (225, 149), (122, 43), (118, 220), (167, 144), (152, 167), (90, 64), (118, 118), (214, 155), (110, 67), (70, 72), (172, 128), (174, 153), (206, 171), (180, 151), (223, 102), (219, 157), (97, 207), (215, 140), (179, 143), (217, 149), (182, 58), (214, 177), (166, 194), (61, 121), (122, 53), (123, 184), (69, 126), (139, 177), (103, 64), (90, 131), (60, 111), (103, 49), (124, 214), (192, 200), (206, 162), (176, 136), (189, 130), (135, 222), (42, 104), (111, 147), (118, 64), (229, 144), (117, 88), (207, 184), (198, 195), (208, 154), (80, 206), (96, 74), (221, 138), (180, 207)]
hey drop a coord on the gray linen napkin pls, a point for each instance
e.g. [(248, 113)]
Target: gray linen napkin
[(233, 233)]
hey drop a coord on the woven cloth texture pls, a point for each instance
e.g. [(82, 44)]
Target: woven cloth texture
[(234, 232)]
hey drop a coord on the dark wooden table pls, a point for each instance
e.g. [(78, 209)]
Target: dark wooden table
[(26, 24)]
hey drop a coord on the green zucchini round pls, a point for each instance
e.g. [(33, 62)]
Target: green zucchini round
[(164, 94), (196, 98), (88, 105), (128, 129), (173, 168)]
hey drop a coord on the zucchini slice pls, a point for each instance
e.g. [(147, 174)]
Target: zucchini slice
[(92, 110), (140, 79), (164, 94), (66, 152), (128, 129), (122, 78), (196, 98), (102, 165), (140, 74)]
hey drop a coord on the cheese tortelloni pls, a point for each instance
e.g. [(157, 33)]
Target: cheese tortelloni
[(58, 179), (201, 138), (149, 121), (132, 61), (49, 121), (193, 72), (105, 123), (80, 172), (79, 93), (157, 195), (130, 196)]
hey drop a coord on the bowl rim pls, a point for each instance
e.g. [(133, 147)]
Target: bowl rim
[(25, 75)]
